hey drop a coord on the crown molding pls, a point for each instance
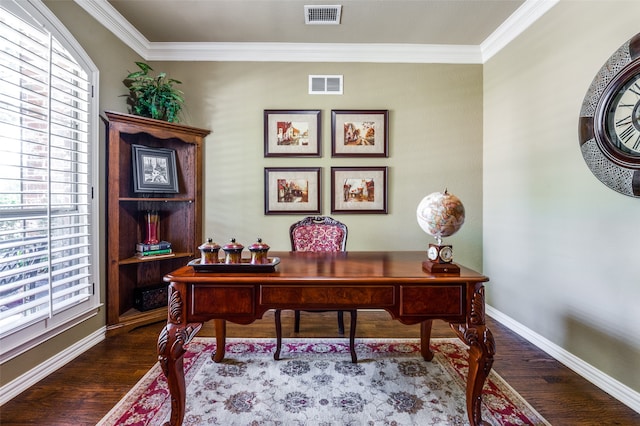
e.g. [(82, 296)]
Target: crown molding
[(315, 52), (515, 25), (521, 19), (113, 21)]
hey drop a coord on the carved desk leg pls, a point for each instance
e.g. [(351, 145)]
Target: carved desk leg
[(481, 352), (425, 339), (171, 348)]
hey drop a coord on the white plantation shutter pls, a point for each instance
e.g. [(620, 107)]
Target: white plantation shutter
[(46, 203)]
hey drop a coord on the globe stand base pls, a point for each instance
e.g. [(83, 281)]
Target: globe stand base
[(441, 268)]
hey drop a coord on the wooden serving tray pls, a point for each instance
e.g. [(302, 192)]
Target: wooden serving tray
[(243, 267)]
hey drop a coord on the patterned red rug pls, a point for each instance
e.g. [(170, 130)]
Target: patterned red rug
[(316, 384)]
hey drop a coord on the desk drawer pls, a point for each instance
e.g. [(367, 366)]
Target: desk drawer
[(326, 297), (222, 300), (435, 300)]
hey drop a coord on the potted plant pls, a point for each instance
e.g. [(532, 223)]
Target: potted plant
[(153, 97)]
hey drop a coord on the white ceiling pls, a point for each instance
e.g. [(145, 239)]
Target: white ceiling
[(282, 21), (453, 31)]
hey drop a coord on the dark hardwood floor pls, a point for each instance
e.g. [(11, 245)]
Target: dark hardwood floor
[(83, 391)]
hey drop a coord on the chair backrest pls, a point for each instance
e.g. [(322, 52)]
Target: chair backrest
[(319, 233)]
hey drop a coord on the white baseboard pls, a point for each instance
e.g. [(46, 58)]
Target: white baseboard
[(33, 376), (618, 390)]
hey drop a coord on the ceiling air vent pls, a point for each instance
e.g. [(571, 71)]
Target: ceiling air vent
[(322, 14), (325, 85)]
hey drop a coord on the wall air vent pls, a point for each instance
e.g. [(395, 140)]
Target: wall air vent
[(325, 85), (322, 14)]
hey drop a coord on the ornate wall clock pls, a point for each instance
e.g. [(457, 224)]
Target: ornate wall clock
[(609, 128)]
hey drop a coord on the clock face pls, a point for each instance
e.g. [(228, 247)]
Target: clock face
[(446, 254), (623, 117), (609, 125), (432, 253)]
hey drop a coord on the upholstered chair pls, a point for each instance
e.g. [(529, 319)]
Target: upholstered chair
[(317, 234)]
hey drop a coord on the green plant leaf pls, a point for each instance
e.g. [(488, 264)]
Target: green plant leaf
[(154, 97), (135, 75), (144, 67)]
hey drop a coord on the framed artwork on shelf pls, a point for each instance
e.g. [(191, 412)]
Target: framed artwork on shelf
[(360, 133), (359, 190), (292, 190), (294, 133), (154, 169)]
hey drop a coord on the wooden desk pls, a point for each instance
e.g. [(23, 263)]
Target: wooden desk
[(393, 281)]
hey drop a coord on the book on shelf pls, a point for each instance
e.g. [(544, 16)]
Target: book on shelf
[(154, 252), (167, 253), (162, 245)]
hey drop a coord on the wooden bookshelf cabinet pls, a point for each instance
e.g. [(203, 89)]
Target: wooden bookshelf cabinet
[(180, 214)]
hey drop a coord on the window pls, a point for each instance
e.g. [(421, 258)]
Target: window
[(47, 225)]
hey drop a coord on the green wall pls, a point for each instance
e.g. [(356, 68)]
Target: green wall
[(435, 122), (560, 247)]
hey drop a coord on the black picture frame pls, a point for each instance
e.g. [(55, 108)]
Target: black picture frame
[(292, 133), (360, 190), (154, 170), (280, 199), (360, 133)]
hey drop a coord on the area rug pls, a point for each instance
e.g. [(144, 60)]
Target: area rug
[(315, 383)]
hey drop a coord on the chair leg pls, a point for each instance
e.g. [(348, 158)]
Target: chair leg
[(276, 355), (425, 338), (341, 322), (296, 324), (352, 336)]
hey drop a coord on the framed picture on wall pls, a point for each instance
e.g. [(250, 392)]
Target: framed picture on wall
[(154, 169), (359, 190), (292, 190), (359, 133), (291, 133)]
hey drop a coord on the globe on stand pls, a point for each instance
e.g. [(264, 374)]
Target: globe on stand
[(440, 215)]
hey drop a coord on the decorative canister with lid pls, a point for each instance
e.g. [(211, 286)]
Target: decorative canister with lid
[(259, 252), (233, 252), (209, 252)]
